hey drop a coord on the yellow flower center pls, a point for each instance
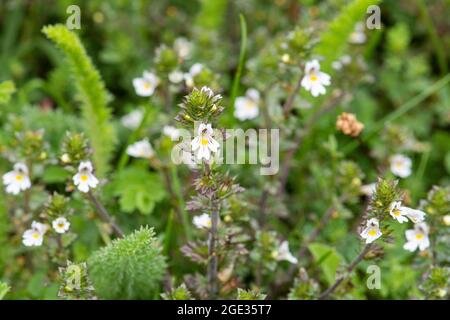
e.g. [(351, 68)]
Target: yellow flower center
[(36, 235), (60, 225), (313, 77), (419, 236), (19, 177), (249, 104), (204, 141), (396, 212), (372, 232), (84, 178), (146, 85)]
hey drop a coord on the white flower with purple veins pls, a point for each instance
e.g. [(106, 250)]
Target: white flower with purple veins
[(202, 221), (247, 108), (401, 213), (284, 254), (193, 71), (204, 143), (176, 76), (141, 149), (182, 47), (85, 179), (314, 80), (35, 235), (17, 180), (372, 231), (417, 238), (146, 85), (133, 119), (171, 132), (61, 225), (400, 165), (397, 211)]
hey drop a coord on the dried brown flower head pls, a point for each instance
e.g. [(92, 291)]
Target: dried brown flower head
[(349, 125)]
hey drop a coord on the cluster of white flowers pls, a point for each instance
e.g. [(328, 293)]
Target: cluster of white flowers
[(84, 179), (246, 108), (315, 80), (34, 237), (141, 149), (146, 85), (204, 143), (416, 238), (400, 165), (17, 180)]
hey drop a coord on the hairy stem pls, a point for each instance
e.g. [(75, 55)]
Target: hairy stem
[(324, 295), (104, 215)]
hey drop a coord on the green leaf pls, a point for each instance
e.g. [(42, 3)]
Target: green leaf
[(128, 268), (327, 258), (94, 97), (4, 288), (55, 174), (138, 189), (7, 88)]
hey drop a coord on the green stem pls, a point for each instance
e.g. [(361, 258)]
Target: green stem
[(237, 76)]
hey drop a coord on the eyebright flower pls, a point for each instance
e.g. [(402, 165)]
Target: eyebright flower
[(246, 108), (284, 254), (61, 225), (204, 143), (17, 180), (202, 221), (193, 71), (176, 76), (133, 119), (372, 231), (182, 47), (35, 235), (171, 132), (397, 211), (141, 149), (146, 85), (84, 179), (446, 219), (417, 238), (315, 80), (400, 165)]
